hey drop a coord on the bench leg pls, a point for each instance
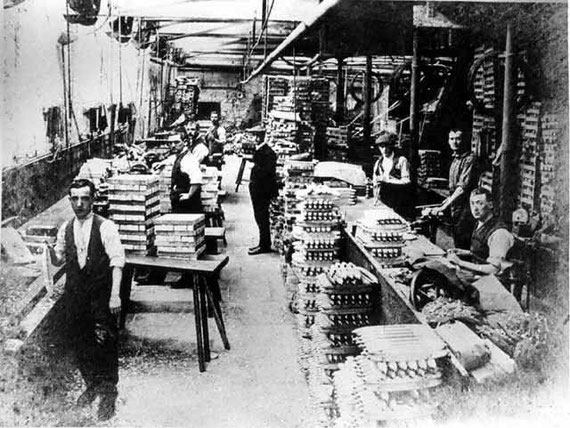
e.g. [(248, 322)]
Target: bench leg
[(204, 315), (218, 313), (125, 294), (198, 321), (240, 173)]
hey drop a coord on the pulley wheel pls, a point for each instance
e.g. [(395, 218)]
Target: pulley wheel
[(426, 286)]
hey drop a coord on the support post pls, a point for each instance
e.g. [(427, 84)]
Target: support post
[(264, 25), (506, 185), (340, 96), (414, 134), (367, 127)]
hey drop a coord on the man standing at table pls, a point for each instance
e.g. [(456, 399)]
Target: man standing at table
[(186, 182), (262, 188), (463, 177), (195, 142), (91, 249)]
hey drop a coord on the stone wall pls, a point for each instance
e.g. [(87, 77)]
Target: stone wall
[(33, 187)]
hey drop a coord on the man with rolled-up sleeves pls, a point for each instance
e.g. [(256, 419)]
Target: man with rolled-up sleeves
[(463, 178), (94, 258)]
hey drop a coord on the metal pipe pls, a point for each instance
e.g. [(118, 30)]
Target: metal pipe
[(264, 26), (414, 141), (507, 141), (367, 96), (339, 117), (322, 10)]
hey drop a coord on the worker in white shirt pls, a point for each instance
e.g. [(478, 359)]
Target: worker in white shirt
[(195, 141), (216, 135), (186, 182), (94, 257), (391, 177)]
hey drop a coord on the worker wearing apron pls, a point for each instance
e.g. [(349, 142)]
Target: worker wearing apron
[(391, 177), (186, 181), (91, 248)]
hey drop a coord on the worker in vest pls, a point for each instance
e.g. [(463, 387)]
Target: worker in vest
[(391, 176), (215, 139), (463, 177), (490, 241), (186, 182), (195, 141), (94, 258)]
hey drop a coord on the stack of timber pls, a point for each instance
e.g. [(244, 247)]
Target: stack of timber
[(180, 235), (134, 204)]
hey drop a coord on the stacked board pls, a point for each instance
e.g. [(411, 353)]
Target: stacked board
[(210, 188), (165, 179), (134, 204), (180, 235)]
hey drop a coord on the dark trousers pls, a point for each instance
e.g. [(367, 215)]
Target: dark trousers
[(399, 198), (93, 336), (463, 224), (260, 202)]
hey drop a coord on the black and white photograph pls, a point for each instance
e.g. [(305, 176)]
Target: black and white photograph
[(284, 214)]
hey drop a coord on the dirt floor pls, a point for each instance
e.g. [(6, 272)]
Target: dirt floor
[(258, 383)]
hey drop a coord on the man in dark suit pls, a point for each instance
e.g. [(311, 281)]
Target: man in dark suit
[(262, 188)]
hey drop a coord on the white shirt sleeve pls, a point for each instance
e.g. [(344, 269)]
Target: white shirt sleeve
[(112, 243), (222, 134), (200, 152), (190, 166), (60, 243), (500, 242)]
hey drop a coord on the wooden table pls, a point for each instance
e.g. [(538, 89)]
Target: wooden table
[(204, 281), (244, 160)]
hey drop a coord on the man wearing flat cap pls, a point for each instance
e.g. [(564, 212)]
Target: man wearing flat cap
[(391, 176)]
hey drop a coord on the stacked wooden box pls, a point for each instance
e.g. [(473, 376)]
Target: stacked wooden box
[(528, 161), (134, 204), (337, 143), (180, 235), (184, 95), (550, 154), (300, 95), (273, 86), (165, 180), (430, 164)]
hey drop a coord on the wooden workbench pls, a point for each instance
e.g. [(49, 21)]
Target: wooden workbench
[(203, 275)]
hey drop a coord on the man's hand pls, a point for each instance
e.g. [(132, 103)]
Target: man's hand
[(459, 252), (453, 258), (184, 196), (115, 305)]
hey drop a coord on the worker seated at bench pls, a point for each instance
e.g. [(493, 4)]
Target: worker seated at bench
[(491, 241)]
